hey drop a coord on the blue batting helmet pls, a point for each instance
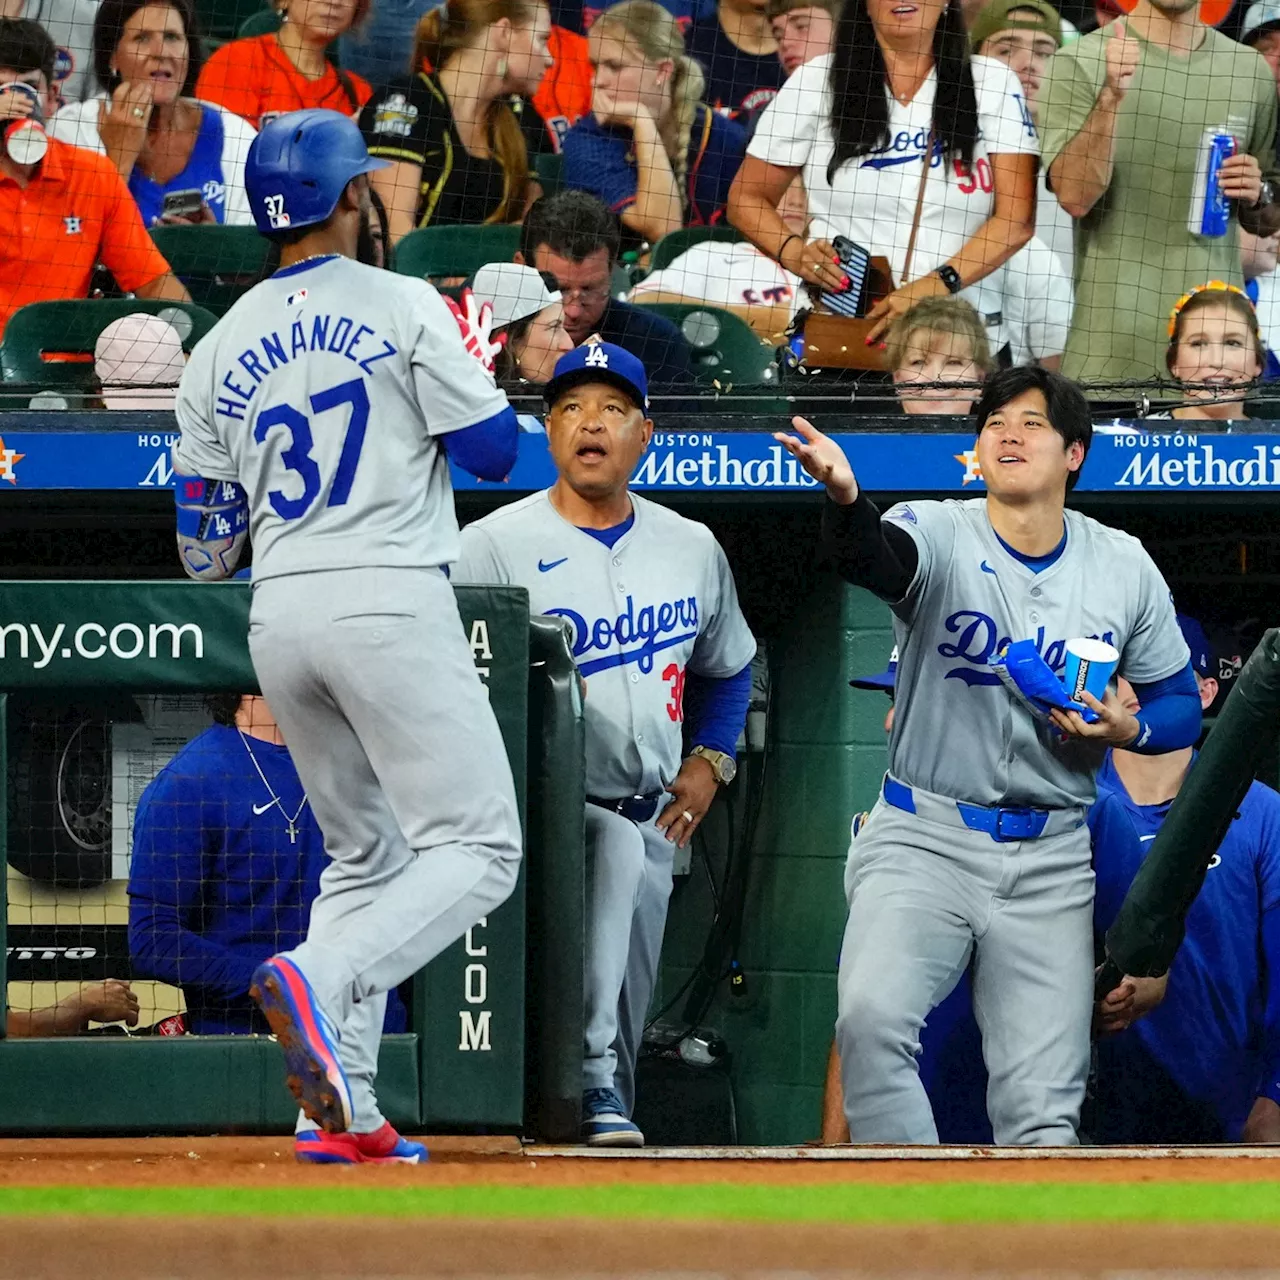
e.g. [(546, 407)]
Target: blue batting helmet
[(300, 164)]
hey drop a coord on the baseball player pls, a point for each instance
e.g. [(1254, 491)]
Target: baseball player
[(656, 628), (1203, 1066), (319, 415), (977, 848)]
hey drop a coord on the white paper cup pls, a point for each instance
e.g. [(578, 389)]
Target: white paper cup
[(1090, 665)]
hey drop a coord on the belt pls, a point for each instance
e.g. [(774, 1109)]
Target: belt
[(637, 808), (1003, 823)]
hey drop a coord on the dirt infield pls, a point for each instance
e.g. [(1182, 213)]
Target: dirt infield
[(261, 1239)]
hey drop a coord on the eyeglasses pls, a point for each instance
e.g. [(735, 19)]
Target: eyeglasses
[(585, 296)]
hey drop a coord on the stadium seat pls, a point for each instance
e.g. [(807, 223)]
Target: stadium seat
[(222, 19), (725, 351), (67, 331), (549, 170), (443, 252), (261, 23), (674, 243), (217, 264)]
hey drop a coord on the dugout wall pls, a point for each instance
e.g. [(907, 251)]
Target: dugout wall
[(463, 1064)]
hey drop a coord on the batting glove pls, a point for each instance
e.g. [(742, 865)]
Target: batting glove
[(475, 323)]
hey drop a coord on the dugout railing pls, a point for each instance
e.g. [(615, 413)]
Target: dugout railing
[(495, 1023)]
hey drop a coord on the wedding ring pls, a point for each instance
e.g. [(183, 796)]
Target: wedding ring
[(138, 112), (686, 815)]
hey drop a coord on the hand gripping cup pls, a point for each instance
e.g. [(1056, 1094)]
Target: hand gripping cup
[(1090, 665)]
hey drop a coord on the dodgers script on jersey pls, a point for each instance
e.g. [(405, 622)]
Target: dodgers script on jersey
[(958, 732), (322, 391), (661, 602)]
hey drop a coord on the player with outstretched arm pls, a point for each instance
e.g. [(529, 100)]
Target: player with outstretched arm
[(656, 629), (319, 416), (977, 848)]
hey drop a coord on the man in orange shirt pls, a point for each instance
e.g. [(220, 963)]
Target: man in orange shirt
[(71, 209)]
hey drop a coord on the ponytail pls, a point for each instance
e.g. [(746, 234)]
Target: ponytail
[(506, 140), (687, 87)]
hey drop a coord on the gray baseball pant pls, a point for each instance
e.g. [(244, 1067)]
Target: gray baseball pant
[(368, 674), (629, 887), (925, 896)]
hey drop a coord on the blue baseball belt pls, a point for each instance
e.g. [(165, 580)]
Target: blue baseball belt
[(1003, 823)]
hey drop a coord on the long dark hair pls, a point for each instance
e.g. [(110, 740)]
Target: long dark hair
[(859, 108), (108, 27)]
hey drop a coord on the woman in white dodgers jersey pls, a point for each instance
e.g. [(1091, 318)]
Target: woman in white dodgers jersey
[(857, 123), (317, 416)]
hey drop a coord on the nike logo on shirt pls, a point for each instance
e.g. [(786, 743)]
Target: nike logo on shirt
[(259, 809), (543, 567)]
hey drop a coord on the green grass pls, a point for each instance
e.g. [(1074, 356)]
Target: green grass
[(1240, 1202)]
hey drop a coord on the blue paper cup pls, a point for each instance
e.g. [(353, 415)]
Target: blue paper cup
[(1090, 665)]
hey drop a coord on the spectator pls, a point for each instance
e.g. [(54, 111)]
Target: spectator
[(940, 341), (378, 49), (575, 238), (736, 49), (1203, 1067), (735, 276), (1124, 112), (856, 125), (147, 58), (656, 154), (138, 360), (261, 77), (563, 95), (1024, 35), (1037, 300), (1215, 351), (1258, 256), (529, 62), (227, 857), (528, 311), (69, 210), (802, 30), (69, 24), (109, 1001), (1261, 31), (457, 150)]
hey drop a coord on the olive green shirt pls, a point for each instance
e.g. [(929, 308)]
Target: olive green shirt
[(1134, 254)]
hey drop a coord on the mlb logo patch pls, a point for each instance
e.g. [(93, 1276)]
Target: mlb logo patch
[(295, 298), (72, 225), (276, 214)]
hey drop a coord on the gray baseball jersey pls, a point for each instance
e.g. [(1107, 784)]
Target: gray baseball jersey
[(958, 732), (660, 602), (322, 391)]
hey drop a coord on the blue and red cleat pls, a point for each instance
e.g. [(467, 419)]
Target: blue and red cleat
[(383, 1146), (312, 1070)]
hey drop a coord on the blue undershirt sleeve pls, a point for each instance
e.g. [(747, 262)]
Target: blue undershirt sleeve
[(486, 449), (1170, 715), (716, 709)]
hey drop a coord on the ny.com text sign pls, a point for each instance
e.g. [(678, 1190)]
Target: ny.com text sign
[(154, 636)]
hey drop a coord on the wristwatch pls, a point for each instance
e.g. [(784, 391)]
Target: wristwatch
[(1265, 197), (950, 277), (724, 766)]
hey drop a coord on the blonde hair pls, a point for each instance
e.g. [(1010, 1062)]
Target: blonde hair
[(654, 32), (952, 316), (454, 26)]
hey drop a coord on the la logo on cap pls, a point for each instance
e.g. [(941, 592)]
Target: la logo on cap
[(597, 357)]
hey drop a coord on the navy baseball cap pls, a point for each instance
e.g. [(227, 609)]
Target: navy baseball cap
[(599, 362), (887, 680), (1201, 652)]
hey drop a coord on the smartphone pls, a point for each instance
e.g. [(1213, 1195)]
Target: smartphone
[(182, 204), (855, 260)]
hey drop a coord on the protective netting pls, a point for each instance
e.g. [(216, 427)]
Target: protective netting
[(738, 193)]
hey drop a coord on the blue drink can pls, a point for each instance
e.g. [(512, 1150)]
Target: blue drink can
[(1210, 208)]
